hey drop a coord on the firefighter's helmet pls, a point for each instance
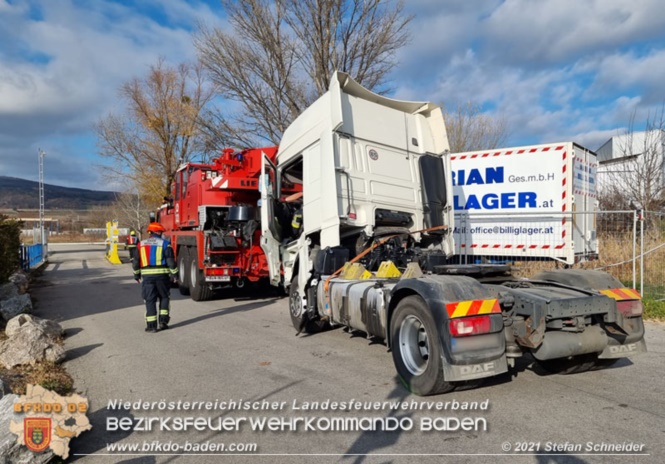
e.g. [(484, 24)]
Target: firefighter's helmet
[(133, 232), (156, 227)]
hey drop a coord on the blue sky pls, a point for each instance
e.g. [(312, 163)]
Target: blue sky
[(556, 70)]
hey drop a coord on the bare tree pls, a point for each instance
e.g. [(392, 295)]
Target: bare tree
[(470, 129), (158, 130), (131, 210), (278, 57), (636, 172), (98, 216)]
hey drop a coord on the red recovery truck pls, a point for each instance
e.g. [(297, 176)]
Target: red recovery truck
[(211, 220)]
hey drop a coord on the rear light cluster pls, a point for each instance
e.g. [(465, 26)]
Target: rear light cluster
[(629, 300), (473, 325), (219, 271), (630, 308), (474, 317)]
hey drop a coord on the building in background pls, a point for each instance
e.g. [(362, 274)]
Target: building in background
[(632, 169)]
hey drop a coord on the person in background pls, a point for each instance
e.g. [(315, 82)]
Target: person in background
[(131, 244), (155, 264), (294, 203)]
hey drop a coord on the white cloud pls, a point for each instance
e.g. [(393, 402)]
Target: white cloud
[(63, 62), (554, 69), (85, 58), (440, 34), (550, 31), (595, 138), (6, 7), (629, 70)]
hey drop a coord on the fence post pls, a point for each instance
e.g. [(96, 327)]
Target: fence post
[(642, 252), (21, 256), (634, 247)]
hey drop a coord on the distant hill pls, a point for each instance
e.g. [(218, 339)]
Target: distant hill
[(24, 194)]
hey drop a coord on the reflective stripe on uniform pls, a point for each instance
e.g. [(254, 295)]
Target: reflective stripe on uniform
[(163, 312), (144, 257), (151, 318), (158, 255), (153, 252), (154, 270)]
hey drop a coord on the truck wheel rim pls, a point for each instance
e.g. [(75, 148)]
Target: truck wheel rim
[(414, 345), (295, 305)]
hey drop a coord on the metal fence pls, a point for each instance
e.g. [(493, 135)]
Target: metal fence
[(31, 256), (650, 243), (626, 244)]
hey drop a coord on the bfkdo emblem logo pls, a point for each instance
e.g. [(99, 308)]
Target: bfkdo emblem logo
[(49, 421), (37, 433)]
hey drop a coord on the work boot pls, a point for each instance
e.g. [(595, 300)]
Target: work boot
[(163, 326), (164, 322), (151, 328)]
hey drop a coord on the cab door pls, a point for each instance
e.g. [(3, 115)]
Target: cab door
[(270, 233)]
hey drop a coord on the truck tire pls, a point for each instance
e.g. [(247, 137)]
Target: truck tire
[(198, 289), (416, 348), (183, 270), (296, 311)]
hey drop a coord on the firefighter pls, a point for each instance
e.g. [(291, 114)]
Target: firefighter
[(296, 222), (155, 264), (294, 203), (131, 244)]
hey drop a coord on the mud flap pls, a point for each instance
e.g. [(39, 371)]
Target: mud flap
[(614, 351), (456, 373)]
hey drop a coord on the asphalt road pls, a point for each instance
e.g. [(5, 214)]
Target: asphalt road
[(241, 346)]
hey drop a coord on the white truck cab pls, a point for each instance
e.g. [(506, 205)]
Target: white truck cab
[(367, 241), (379, 150)]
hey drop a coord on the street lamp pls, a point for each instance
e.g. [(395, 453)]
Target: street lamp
[(41, 153)]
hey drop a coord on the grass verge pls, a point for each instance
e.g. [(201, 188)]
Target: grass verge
[(654, 309), (47, 374)]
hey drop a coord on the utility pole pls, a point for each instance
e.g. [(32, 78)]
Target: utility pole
[(42, 153)]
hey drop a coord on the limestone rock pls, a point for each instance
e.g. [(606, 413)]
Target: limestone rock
[(14, 306), (28, 345), (20, 279), (50, 328), (7, 291)]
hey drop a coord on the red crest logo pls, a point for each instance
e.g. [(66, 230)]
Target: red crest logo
[(37, 433)]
